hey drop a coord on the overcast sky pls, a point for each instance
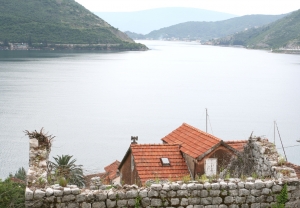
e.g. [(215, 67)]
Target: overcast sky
[(238, 7)]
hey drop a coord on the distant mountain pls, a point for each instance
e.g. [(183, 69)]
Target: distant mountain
[(209, 30), (56, 22), (148, 20), (284, 32)]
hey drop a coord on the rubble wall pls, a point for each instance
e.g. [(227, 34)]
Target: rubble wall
[(232, 194)]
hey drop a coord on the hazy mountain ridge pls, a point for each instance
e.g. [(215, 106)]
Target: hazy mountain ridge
[(284, 33), (148, 20), (208, 30), (55, 21)]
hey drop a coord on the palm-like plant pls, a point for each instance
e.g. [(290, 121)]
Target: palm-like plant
[(64, 166)]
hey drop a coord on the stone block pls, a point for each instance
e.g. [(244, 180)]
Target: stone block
[(182, 193), (112, 195), (38, 194), (224, 193), (195, 193), (214, 193), (110, 203), (255, 192), (86, 205), (255, 205), (249, 185), (28, 194), (266, 191), (223, 206), (156, 202), (184, 202), (276, 189), (241, 185), (153, 193), (259, 184), (131, 194), (175, 201), (240, 200), (73, 205), (98, 205), (166, 187), (131, 202), (212, 206), (215, 186), (183, 187), (175, 186), (33, 143), (244, 206), (228, 199), (80, 198), (264, 205), (204, 193), (90, 197), (145, 202), (143, 193), (232, 186), (199, 186), (50, 199), (269, 184), (244, 192), (223, 185), (206, 201), (191, 186), (58, 192), (76, 191), (101, 196), (194, 200), (156, 187), (250, 199), (171, 194), (207, 185), (68, 198), (67, 191), (234, 192), (122, 203), (198, 206), (217, 200)]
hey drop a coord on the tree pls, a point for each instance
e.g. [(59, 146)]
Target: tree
[(21, 174), (12, 194), (64, 167)]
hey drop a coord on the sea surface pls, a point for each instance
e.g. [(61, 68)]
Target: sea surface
[(94, 102)]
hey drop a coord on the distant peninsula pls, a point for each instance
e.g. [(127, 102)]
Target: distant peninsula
[(57, 24)]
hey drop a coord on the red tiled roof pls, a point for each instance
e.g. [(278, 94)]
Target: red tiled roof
[(237, 144), (148, 164), (193, 141), (112, 169)]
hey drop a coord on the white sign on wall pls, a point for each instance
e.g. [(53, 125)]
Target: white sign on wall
[(211, 166)]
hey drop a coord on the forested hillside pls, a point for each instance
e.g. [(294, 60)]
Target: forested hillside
[(284, 33), (55, 21)]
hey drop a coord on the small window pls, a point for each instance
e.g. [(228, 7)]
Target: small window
[(165, 161)]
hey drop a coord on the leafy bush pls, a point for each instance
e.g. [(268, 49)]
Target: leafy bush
[(12, 194)]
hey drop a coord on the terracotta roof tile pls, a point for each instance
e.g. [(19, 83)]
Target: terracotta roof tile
[(112, 169), (237, 144), (149, 166), (193, 141)]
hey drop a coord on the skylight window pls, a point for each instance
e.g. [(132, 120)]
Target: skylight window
[(165, 161)]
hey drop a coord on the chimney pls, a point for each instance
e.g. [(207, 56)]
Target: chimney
[(134, 139)]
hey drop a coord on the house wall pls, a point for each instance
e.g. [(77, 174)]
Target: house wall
[(129, 176), (190, 163), (223, 156)]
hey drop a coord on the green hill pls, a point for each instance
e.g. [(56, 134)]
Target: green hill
[(56, 22), (284, 33), (208, 30)]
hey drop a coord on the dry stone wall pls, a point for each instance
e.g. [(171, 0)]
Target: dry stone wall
[(232, 194)]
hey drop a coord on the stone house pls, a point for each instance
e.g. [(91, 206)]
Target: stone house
[(143, 162), (185, 151), (203, 152)]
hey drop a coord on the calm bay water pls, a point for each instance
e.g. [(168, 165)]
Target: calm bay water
[(94, 102)]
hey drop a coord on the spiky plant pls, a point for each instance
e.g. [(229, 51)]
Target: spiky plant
[(64, 166)]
